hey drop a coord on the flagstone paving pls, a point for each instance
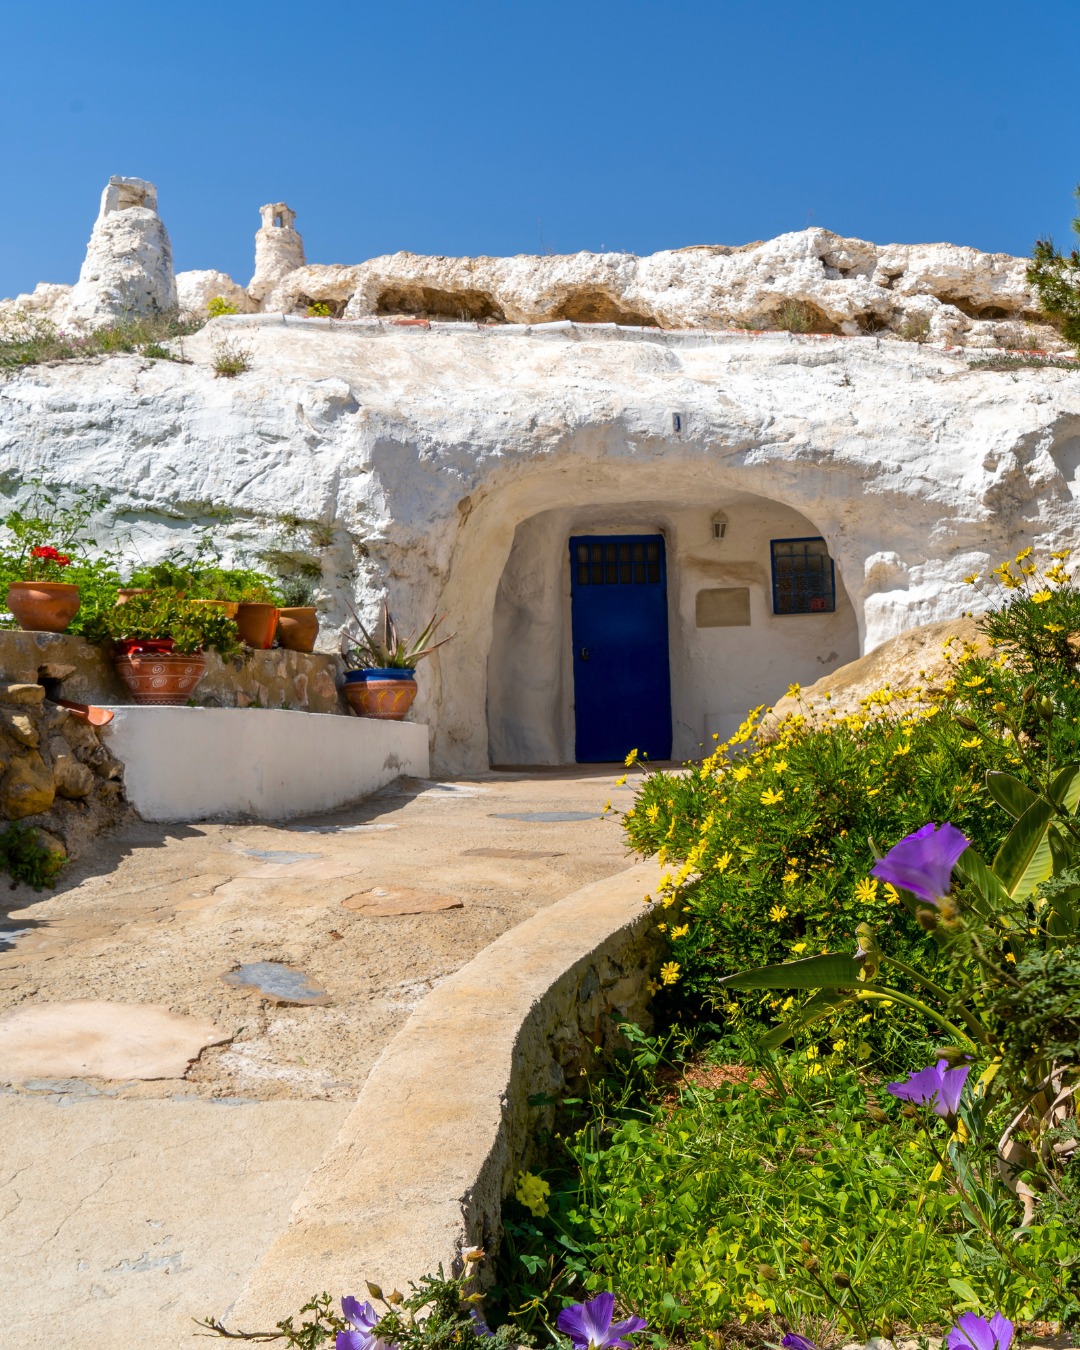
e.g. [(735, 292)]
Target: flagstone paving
[(128, 1206)]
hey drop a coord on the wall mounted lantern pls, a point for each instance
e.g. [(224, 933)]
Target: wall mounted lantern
[(719, 525)]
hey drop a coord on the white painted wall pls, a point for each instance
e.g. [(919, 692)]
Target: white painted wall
[(265, 763), (717, 674)]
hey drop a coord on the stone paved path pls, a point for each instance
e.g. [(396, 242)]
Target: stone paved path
[(126, 1208)]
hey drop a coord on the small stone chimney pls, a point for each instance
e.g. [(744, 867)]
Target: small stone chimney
[(279, 249), (128, 267)]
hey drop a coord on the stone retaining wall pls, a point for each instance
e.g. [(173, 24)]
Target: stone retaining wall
[(444, 1122), (55, 774), (78, 670)]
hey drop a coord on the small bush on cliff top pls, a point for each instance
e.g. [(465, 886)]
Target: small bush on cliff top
[(1056, 278)]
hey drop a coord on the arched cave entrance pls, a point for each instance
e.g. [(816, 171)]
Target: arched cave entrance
[(731, 645)]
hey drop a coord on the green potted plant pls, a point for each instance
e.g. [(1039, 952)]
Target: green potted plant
[(381, 677), (298, 622), (257, 616), (159, 644), (41, 601), (42, 538)]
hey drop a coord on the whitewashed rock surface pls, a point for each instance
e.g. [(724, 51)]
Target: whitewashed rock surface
[(420, 450)]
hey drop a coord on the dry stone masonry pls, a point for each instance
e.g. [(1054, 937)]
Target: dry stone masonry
[(57, 776)]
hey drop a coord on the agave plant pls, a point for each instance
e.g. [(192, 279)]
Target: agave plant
[(388, 650)]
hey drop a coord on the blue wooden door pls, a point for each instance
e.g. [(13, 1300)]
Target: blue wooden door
[(622, 686)]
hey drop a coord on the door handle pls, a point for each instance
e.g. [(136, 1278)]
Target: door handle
[(584, 653)]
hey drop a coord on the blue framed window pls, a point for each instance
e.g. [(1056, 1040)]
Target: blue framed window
[(803, 577)]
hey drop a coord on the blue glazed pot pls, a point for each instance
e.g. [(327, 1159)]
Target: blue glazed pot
[(391, 673), (387, 694)]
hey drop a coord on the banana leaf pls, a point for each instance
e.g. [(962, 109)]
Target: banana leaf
[(1010, 793), (833, 970), (1024, 859)]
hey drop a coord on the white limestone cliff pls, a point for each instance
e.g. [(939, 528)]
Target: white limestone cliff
[(810, 280)]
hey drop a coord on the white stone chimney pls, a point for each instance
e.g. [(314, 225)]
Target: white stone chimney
[(279, 249), (128, 267)]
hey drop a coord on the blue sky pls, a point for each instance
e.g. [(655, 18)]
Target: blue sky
[(521, 126)]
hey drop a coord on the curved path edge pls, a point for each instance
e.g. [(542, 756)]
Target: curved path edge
[(442, 1124)]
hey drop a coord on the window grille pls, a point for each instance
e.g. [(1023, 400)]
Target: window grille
[(618, 563), (803, 577)]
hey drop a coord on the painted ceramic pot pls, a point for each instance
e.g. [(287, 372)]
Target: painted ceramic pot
[(164, 678), (380, 693), (43, 606), (298, 627), (257, 624)]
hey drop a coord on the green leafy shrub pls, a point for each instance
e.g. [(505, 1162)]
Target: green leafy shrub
[(218, 305), (770, 842), (796, 1200), (319, 310), (25, 858)]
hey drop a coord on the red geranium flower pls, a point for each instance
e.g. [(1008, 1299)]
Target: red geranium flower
[(51, 554)]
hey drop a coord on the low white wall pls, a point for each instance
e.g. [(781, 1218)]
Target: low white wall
[(201, 763)]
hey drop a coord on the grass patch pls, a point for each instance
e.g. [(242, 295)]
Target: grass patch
[(1022, 360), (30, 339)]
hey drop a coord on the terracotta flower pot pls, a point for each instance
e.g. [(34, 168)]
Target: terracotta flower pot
[(43, 606), (298, 627), (257, 624), (167, 678), (380, 693)]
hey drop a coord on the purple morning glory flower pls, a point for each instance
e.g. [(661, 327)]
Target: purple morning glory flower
[(479, 1325), (362, 1318), (938, 1086), (793, 1341), (923, 862), (590, 1327), (976, 1333)]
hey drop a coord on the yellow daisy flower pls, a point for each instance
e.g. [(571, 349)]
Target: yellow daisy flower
[(771, 796), (866, 891), (669, 972), (778, 912)]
